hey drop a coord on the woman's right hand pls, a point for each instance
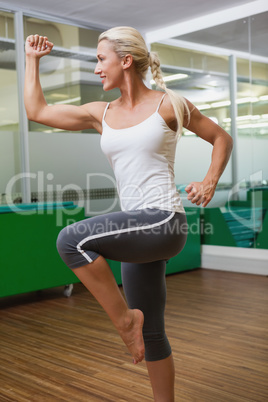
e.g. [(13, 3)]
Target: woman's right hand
[(37, 46)]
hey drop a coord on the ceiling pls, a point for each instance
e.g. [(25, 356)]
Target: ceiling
[(152, 16), (234, 35), (143, 15)]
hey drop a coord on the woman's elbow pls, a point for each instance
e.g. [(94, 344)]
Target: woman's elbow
[(30, 112), (225, 138), (33, 115), (30, 115)]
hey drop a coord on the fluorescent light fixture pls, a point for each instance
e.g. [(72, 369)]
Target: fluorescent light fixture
[(213, 83), (247, 100), (256, 125), (59, 96), (264, 97), (214, 119), (228, 103), (71, 100), (204, 107), (172, 77), (188, 133), (248, 117), (221, 104)]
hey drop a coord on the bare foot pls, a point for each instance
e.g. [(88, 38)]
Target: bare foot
[(132, 334)]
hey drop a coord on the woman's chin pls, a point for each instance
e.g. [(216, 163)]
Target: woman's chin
[(108, 87)]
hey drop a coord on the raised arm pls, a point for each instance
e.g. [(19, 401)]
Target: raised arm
[(202, 192), (67, 117)]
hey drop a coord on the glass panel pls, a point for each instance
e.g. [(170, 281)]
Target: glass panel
[(248, 35), (9, 115), (258, 124), (67, 74), (70, 166), (204, 80)]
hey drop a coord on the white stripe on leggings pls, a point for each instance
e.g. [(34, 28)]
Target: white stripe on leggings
[(114, 232)]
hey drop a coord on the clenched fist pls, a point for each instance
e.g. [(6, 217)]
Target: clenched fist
[(200, 192), (37, 46)]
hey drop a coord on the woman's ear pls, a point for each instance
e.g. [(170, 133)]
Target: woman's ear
[(127, 61)]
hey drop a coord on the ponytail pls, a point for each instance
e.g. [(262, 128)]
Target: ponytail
[(178, 102)]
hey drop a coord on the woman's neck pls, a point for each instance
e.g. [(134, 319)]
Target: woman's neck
[(133, 91)]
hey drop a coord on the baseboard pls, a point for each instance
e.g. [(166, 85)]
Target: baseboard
[(235, 259)]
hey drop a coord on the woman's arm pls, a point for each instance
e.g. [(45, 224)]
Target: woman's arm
[(202, 192), (67, 117)]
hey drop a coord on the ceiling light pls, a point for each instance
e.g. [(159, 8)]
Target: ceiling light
[(58, 96), (221, 104), (213, 83), (203, 107), (71, 100), (188, 133), (256, 125), (248, 117), (214, 119), (247, 100), (172, 77), (264, 97)]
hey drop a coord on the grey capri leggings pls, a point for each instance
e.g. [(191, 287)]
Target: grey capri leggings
[(143, 240)]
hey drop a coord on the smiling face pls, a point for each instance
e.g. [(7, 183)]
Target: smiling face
[(109, 66)]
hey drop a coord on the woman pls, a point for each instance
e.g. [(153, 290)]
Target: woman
[(139, 134)]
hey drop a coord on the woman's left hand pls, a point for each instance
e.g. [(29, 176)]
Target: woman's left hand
[(200, 192)]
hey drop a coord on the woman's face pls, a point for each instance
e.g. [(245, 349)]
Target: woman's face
[(109, 66)]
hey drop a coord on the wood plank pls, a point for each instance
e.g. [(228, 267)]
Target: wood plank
[(65, 349)]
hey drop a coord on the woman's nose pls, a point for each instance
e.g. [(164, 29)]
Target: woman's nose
[(97, 69)]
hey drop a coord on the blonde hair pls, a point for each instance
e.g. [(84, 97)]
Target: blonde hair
[(127, 40)]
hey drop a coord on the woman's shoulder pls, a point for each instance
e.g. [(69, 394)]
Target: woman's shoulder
[(95, 109)]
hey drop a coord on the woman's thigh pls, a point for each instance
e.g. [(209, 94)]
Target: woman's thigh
[(130, 236)]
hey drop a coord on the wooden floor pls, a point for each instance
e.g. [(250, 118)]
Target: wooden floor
[(55, 348)]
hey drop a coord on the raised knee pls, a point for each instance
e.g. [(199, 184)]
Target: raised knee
[(62, 241)]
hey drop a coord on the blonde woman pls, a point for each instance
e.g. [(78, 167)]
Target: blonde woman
[(139, 133)]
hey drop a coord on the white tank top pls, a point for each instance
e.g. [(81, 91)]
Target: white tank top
[(142, 158)]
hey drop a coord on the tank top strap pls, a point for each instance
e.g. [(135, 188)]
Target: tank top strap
[(105, 110), (161, 100)]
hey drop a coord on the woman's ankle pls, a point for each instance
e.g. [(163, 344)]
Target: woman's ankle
[(126, 321)]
